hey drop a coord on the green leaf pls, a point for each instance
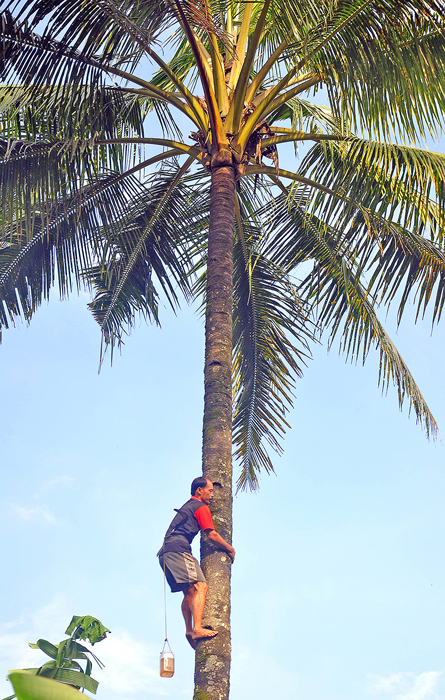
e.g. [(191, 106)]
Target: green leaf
[(76, 678), (47, 647), (87, 627), (29, 687)]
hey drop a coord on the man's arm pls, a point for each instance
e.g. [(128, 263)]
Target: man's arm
[(217, 539)]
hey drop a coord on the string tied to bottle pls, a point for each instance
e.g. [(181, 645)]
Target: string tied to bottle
[(167, 660)]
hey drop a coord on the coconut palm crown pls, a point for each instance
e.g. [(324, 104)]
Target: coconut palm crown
[(280, 257)]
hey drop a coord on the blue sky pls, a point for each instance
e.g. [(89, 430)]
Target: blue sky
[(339, 580)]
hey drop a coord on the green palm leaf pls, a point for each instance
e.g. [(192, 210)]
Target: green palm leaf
[(271, 335), (373, 67), (81, 113), (29, 59), (63, 244), (402, 183), (342, 301), (143, 244), (389, 208)]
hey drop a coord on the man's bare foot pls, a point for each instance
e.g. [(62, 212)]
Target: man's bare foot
[(191, 641), (202, 633)]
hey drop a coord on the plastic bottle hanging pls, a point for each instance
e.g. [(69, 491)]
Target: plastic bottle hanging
[(167, 662)]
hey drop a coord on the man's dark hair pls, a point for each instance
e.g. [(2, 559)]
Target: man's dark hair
[(199, 483)]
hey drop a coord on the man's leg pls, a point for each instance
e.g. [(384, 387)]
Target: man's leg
[(187, 612), (198, 602), (192, 609)]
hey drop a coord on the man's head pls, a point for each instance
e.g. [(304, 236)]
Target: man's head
[(202, 488)]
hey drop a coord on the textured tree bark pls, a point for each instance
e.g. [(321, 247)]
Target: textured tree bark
[(212, 662)]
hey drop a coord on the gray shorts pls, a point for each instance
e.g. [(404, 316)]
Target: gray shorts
[(181, 570)]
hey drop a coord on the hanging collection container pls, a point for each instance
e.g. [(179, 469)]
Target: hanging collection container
[(167, 662)]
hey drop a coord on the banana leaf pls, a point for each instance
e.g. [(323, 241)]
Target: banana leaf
[(30, 687)]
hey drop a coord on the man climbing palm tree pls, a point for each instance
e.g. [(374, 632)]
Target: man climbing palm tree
[(181, 569), (278, 257)]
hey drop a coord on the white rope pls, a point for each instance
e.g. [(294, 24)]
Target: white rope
[(165, 601)]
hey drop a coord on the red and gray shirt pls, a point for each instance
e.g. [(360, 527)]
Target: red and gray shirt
[(192, 517)]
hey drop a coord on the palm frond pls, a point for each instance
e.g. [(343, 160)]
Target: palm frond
[(62, 242), (142, 245), (389, 208), (342, 299), (96, 27), (403, 183), (82, 113), (34, 176), (381, 62), (183, 64), (29, 59), (39, 178), (306, 116), (384, 76), (408, 263), (345, 304), (271, 336), (33, 61)]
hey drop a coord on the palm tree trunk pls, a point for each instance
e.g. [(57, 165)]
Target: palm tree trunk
[(212, 663)]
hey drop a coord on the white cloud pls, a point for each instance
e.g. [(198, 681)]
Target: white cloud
[(424, 685), (405, 686), (13, 623), (40, 512), (15, 652), (48, 622), (35, 513), (48, 485), (131, 665)]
